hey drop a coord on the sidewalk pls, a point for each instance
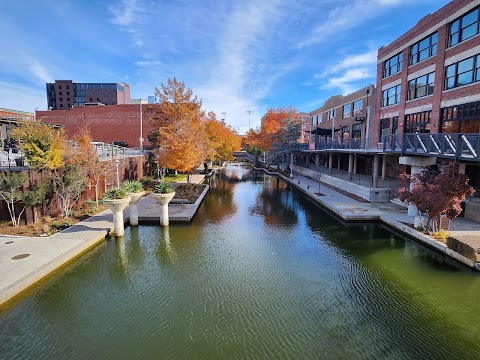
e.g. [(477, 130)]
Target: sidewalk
[(464, 233), (26, 260)]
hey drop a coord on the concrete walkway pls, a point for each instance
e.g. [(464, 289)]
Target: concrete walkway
[(463, 243), (26, 260)]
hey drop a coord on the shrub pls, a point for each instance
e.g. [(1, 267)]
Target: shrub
[(163, 187), (132, 186), (114, 194)]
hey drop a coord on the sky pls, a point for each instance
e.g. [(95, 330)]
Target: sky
[(237, 56)]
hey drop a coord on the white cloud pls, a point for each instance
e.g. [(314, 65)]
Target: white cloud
[(38, 70), (24, 98), (346, 17), (123, 13), (347, 82), (368, 58)]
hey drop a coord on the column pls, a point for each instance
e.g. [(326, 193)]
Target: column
[(355, 159), (330, 163), (350, 166), (339, 162), (384, 167), (317, 159), (376, 160)]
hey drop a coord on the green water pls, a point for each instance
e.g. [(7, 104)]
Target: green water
[(260, 273)]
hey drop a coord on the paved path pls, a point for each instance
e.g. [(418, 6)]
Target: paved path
[(26, 260)]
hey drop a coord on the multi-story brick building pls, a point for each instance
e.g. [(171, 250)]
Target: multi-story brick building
[(428, 79), (345, 117), (65, 94)]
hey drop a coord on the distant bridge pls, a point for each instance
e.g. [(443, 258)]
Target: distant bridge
[(244, 155)]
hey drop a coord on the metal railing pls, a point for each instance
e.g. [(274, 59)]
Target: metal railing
[(456, 146), (109, 151), (350, 144), (12, 159)]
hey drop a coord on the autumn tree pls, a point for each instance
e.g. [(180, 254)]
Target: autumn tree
[(180, 132), (41, 144), (221, 140), (85, 156), (435, 192)]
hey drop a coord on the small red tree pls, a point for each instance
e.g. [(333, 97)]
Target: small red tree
[(435, 192)]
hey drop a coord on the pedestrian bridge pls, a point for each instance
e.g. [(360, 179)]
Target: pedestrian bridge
[(244, 155)]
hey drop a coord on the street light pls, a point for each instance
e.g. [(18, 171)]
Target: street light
[(249, 112), (291, 166), (141, 127)]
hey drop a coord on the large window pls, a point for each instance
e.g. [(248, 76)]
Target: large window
[(393, 65), (384, 128), (424, 49), (357, 107), (421, 86), (418, 122), (464, 118), (391, 96), (346, 110), (462, 73), (463, 28), (319, 118), (331, 114)]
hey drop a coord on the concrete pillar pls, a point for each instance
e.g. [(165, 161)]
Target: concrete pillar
[(355, 159), (416, 164), (339, 161), (135, 198), (461, 168), (376, 160), (163, 200), (317, 159), (330, 163), (118, 226), (350, 166), (384, 167)]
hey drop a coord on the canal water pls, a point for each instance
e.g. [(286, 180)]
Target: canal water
[(260, 273)]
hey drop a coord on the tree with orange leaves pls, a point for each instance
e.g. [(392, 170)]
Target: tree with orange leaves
[(178, 128), (222, 140), (84, 155)]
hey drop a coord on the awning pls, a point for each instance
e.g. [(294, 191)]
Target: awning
[(322, 131)]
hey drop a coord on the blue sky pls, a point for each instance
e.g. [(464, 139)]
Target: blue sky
[(234, 55)]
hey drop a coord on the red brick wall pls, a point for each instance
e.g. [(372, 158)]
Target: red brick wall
[(107, 123)]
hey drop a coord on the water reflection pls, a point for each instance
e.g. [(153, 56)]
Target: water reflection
[(164, 249)]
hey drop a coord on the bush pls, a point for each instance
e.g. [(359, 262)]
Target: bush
[(115, 194), (163, 187), (149, 182), (441, 235), (132, 186)]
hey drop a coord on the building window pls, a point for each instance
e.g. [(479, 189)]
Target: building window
[(68, 92), (463, 28), (61, 99), (61, 105), (462, 73), (68, 99), (357, 131), (357, 107), (424, 49), (384, 128), (421, 86), (330, 114), (59, 86), (391, 96), (393, 65), (346, 110), (464, 118), (319, 118), (60, 93), (418, 122)]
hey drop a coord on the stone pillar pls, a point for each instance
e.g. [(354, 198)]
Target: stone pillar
[(384, 167), (317, 159), (330, 163), (350, 166), (416, 164), (376, 160), (339, 162), (117, 206), (135, 198), (355, 159), (163, 200)]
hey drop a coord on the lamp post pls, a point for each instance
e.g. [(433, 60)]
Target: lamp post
[(117, 162), (333, 130), (249, 113)]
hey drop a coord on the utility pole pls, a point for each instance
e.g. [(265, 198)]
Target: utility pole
[(249, 112)]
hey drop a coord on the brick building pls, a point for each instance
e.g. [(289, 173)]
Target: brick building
[(65, 94), (107, 123), (348, 116), (428, 80)]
